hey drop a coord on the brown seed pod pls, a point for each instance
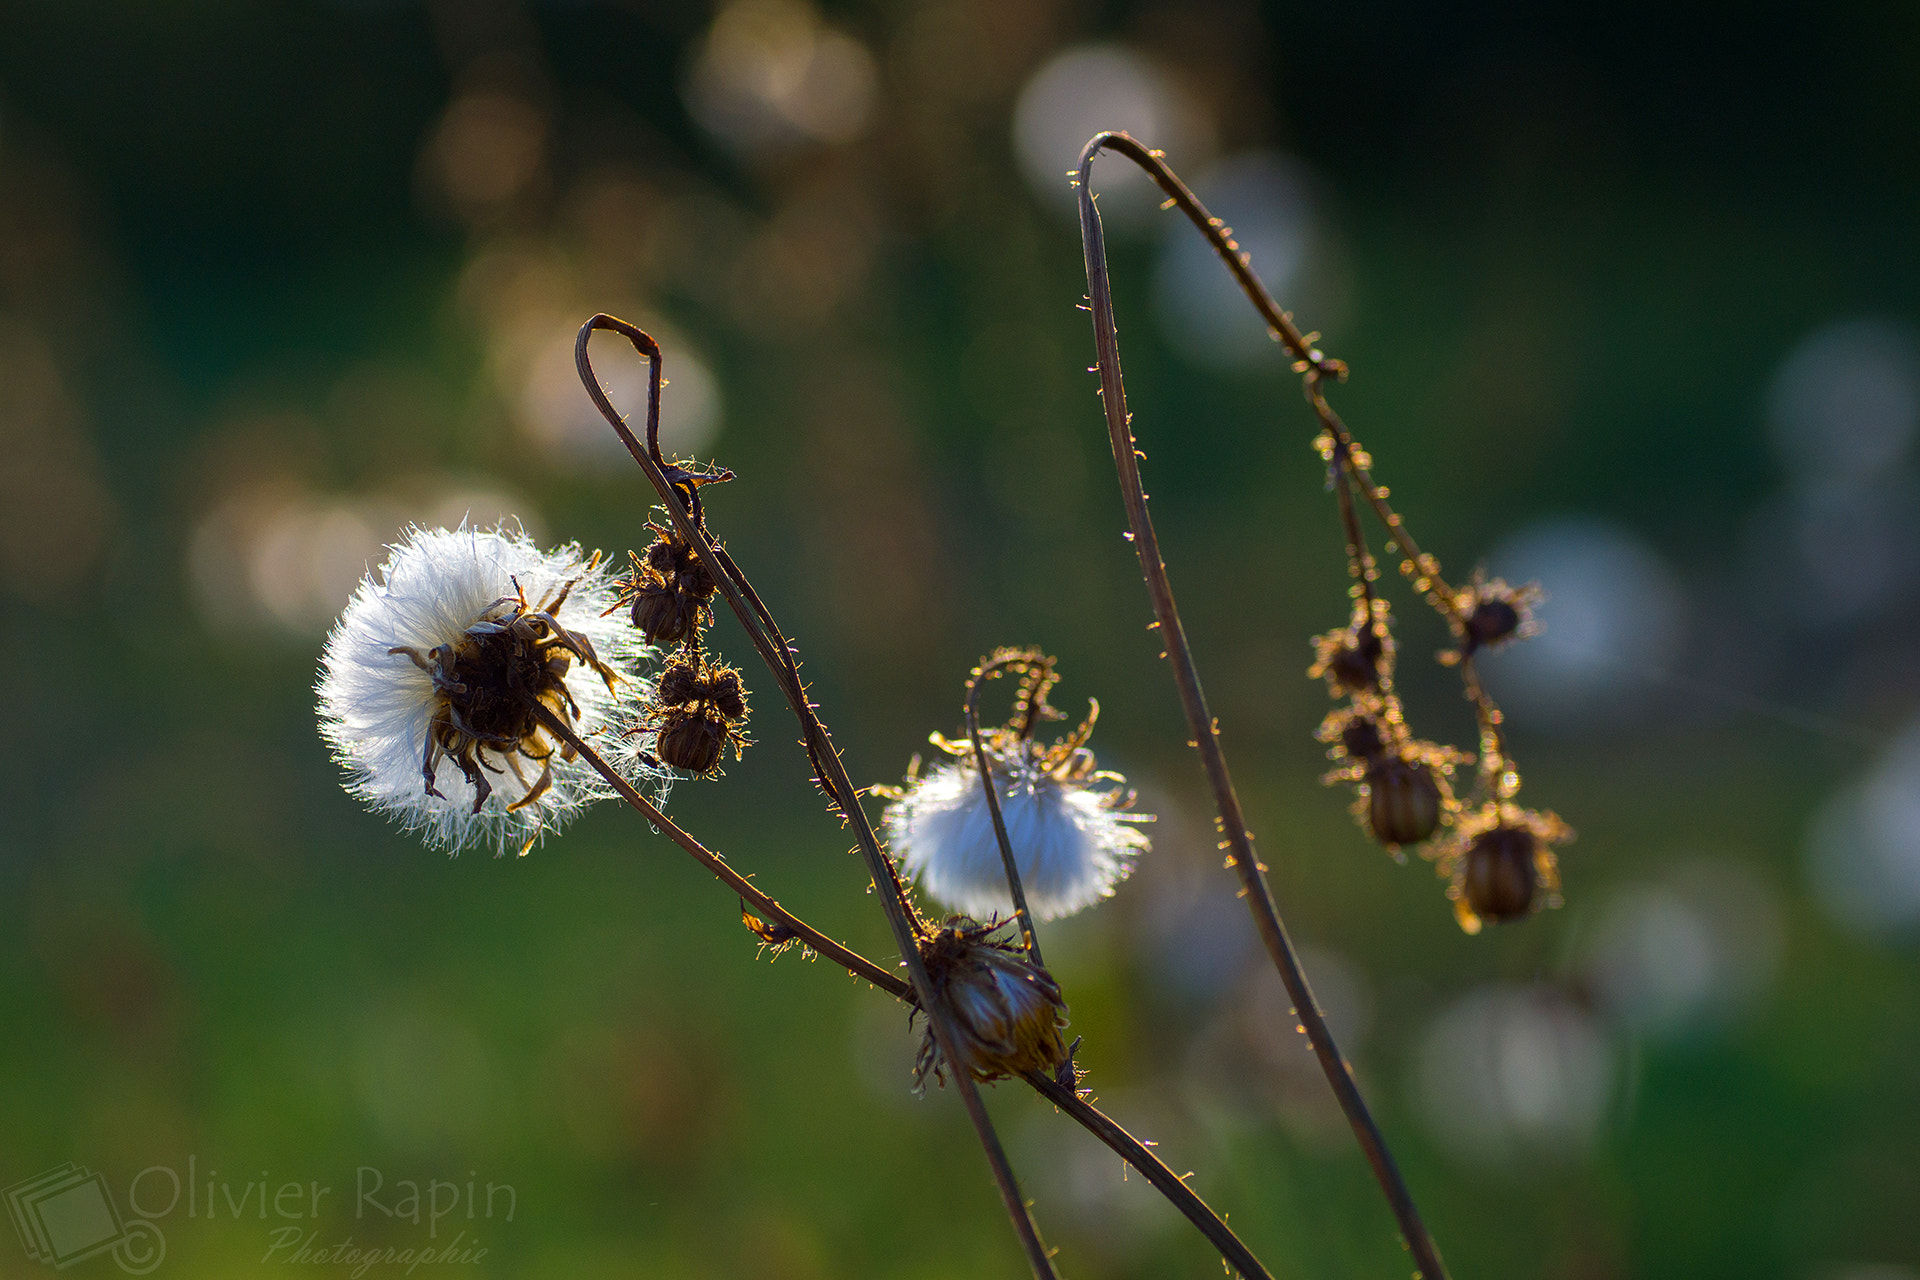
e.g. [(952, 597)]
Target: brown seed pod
[(680, 684), (662, 614), (1403, 800), (1490, 614), (1500, 860), (1497, 876), (729, 699), (692, 739)]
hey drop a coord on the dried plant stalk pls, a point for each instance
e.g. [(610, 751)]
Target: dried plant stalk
[(1236, 838)]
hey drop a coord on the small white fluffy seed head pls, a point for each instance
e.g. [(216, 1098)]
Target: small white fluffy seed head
[(1072, 840), (376, 707)]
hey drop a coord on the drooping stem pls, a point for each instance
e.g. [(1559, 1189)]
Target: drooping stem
[(987, 669), (674, 485), (1077, 1108), (1205, 730)]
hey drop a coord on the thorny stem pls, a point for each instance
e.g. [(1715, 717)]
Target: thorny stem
[(980, 676), (1083, 1112), (669, 480), (1232, 820)]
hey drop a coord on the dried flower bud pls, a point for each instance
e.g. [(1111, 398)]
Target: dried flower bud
[(679, 683), (1358, 657), (1403, 800), (693, 579), (1361, 738), (729, 699), (1501, 864), (1492, 613), (662, 614), (692, 740), (1006, 1012), (1497, 877)]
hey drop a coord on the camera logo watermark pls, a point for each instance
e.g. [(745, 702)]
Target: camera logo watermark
[(67, 1215)]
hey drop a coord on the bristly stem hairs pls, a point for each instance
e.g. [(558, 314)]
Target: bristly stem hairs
[(1236, 839)]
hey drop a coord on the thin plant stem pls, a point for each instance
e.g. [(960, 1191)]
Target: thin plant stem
[(675, 486), (844, 956), (980, 676), (1154, 1170), (1079, 1109), (1205, 729)]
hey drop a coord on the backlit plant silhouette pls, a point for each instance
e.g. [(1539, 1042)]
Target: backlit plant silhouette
[(524, 671)]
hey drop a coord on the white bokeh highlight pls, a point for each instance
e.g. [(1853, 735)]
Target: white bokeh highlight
[(1845, 402), (771, 75), (1685, 954), (1515, 1075), (1095, 87), (1863, 847)]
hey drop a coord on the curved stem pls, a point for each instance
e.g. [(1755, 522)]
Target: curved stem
[(1081, 1111), (829, 772), (1205, 730), (980, 675)]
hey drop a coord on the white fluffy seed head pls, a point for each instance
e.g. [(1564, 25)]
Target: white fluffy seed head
[(1071, 840), (377, 707)]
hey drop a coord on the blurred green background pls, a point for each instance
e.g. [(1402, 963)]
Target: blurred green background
[(1627, 295)]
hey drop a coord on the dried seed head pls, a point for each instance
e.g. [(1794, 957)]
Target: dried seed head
[(1070, 823), (1492, 613), (692, 739), (1404, 800), (450, 655), (679, 683), (729, 699), (662, 614), (1501, 864), (1361, 738), (696, 715), (669, 590), (1007, 1013), (1497, 876), (1358, 658)]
